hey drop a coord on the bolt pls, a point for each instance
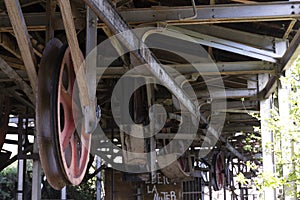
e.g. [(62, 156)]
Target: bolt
[(98, 112), (93, 23)]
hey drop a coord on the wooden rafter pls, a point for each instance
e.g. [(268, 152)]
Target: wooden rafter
[(10, 45), (67, 17), (12, 74), (20, 30)]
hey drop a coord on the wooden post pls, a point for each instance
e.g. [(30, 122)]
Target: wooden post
[(36, 173), (50, 11)]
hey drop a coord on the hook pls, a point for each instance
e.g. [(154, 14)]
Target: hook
[(194, 10)]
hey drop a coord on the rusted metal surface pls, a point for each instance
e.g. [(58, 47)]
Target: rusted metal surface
[(176, 171), (218, 171)]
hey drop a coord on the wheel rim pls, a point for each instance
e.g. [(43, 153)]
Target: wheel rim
[(56, 117), (218, 171), (74, 143)]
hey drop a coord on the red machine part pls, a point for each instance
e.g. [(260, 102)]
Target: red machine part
[(218, 173), (64, 146)]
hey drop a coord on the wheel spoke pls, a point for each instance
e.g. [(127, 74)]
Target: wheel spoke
[(71, 80), (74, 162), (66, 134), (66, 100)]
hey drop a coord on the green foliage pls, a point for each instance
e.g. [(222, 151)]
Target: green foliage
[(8, 179), (86, 190), (285, 131), (8, 186)]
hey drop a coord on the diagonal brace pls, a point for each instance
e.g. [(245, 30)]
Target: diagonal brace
[(106, 12)]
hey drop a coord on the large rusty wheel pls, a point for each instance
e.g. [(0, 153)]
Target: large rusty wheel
[(218, 173), (64, 146)]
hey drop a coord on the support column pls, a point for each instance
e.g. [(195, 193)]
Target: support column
[(63, 193), (287, 145), (21, 161), (20, 179), (266, 135), (98, 180), (36, 172), (91, 72)]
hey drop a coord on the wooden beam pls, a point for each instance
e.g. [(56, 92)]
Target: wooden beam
[(50, 11), (12, 92), (23, 39), (13, 62), (12, 74), (10, 45), (76, 55)]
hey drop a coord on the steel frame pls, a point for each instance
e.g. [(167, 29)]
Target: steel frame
[(227, 45), (210, 14), (216, 13), (106, 12)]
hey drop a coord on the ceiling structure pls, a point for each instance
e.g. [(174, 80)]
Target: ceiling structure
[(251, 43)]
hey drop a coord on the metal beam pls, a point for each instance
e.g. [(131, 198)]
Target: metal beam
[(263, 42), (216, 13), (240, 117), (229, 93), (224, 68), (291, 54), (286, 62), (209, 14), (233, 105), (105, 11), (211, 41), (234, 128), (23, 39)]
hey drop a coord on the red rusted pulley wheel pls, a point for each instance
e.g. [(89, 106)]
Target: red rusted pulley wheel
[(64, 146), (218, 176)]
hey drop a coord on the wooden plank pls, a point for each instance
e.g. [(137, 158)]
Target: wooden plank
[(23, 39), (12, 74), (67, 17), (13, 62)]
